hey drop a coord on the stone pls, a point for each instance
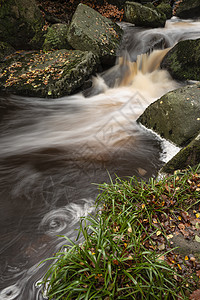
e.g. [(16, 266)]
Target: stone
[(56, 38), (188, 156), (5, 50), (52, 74), (183, 60), (141, 15), (21, 24), (90, 31), (176, 115), (188, 9), (166, 9)]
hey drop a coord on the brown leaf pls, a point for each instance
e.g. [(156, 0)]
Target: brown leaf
[(195, 295)]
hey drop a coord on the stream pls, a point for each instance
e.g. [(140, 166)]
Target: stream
[(54, 153)]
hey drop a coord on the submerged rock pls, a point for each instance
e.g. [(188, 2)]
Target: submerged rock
[(188, 156), (176, 115), (141, 15), (56, 38), (21, 24), (90, 31), (188, 9), (52, 74), (183, 60)]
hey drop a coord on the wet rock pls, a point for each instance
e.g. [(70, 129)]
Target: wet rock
[(56, 38), (21, 24), (141, 15), (176, 115), (183, 60), (186, 247), (51, 74), (188, 156), (90, 31), (188, 9), (5, 50)]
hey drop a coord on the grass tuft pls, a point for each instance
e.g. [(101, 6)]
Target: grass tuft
[(126, 253)]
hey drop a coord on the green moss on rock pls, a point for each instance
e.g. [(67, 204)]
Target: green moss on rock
[(52, 74), (188, 9), (183, 60), (56, 38), (176, 115), (5, 50), (188, 156), (21, 24), (90, 31), (141, 15)]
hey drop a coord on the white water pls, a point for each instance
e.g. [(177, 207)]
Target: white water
[(51, 152)]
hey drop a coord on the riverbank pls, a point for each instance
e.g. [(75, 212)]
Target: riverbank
[(130, 249)]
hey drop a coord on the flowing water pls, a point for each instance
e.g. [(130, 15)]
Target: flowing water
[(54, 152)]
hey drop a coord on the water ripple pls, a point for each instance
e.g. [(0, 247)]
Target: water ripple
[(57, 220)]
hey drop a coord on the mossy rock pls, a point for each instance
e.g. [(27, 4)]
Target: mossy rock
[(90, 31), (166, 9), (188, 9), (176, 115), (183, 60), (5, 50), (188, 156), (51, 74), (21, 24), (141, 15), (56, 38)]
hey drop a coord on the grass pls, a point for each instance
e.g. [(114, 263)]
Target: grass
[(126, 253)]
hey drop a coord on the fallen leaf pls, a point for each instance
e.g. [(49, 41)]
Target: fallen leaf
[(195, 295), (197, 238)]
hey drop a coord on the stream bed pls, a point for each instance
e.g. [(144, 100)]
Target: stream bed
[(54, 153)]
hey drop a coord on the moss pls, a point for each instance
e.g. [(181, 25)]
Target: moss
[(141, 15), (51, 74), (175, 116), (188, 156), (91, 31), (183, 60), (56, 38), (20, 22)]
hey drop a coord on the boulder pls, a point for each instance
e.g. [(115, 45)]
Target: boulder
[(5, 50), (183, 60), (21, 24), (56, 38), (188, 156), (188, 9), (141, 15), (176, 115), (51, 74), (90, 31), (166, 9)]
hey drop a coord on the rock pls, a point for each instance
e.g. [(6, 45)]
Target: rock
[(166, 9), (51, 74), (188, 9), (183, 60), (176, 115), (141, 15), (120, 3), (188, 156), (21, 24), (90, 31), (56, 38), (5, 50)]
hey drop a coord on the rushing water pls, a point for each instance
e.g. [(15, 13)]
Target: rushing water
[(52, 151)]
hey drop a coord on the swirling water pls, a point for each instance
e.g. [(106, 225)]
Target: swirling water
[(54, 152)]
